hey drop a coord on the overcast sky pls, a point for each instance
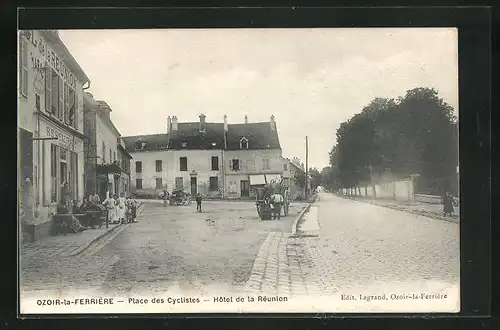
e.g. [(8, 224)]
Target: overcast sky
[(310, 79)]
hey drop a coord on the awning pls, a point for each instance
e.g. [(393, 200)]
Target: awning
[(257, 180), (275, 177)]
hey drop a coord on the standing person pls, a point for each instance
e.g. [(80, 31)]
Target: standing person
[(133, 204), (66, 197), (109, 202), (198, 202), (277, 201), (448, 204), (165, 197), (116, 217), (122, 211)]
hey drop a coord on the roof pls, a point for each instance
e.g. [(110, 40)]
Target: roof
[(188, 136), (124, 151), (259, 135), (52, 36), (150, 142)]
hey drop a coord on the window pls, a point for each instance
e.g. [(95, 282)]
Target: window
[(244, 143), (138, 183), (103, 152), (214, 183), (74, 174), (286, 181), (285, 167), (53, 172), (215, 163), (52, 92), (159, 183), (183, 163), (250, 165), (236, 165), (23, 70), (138, 167), (110, 155), (114, 156), (179, 183), (265, 164), (158, 166)]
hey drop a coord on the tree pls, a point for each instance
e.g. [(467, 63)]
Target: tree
[(315, 178), (415, 134), (300, 179)]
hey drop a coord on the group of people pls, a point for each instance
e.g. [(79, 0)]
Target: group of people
[(121, 209)]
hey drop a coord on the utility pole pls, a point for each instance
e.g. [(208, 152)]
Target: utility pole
[(307, 168)]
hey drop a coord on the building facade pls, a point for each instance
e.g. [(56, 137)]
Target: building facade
[(293, 169), (213, 159), (50, 125), (107, 163)]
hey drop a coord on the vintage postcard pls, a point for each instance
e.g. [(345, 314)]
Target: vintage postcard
[(238, 170)]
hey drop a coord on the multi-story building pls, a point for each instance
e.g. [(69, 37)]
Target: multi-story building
[(107, 163), (50, 125), (293, 175), (214, 159)]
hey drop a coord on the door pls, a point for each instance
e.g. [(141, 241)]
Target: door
[(194, 186), (245, 188)]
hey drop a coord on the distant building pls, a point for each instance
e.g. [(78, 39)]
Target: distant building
[(107, 163), (214, 159), (293, 169)]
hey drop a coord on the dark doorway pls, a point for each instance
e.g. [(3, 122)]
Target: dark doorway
[(26, 154), (194, 186), (245, 188)]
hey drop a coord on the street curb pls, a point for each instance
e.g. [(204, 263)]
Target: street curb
[(85, 247), (254, 281), (297, 219), (422, 214), (106, 233)]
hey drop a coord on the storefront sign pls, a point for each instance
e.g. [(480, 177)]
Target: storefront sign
[(65, 139), (50, 57)]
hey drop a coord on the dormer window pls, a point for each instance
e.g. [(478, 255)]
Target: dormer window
[(243, 143)]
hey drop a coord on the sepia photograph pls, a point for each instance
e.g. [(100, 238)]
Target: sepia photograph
[(304, 170)]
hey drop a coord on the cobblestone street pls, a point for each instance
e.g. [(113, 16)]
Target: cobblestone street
[(168, 248), (362, 245), (340, 246)]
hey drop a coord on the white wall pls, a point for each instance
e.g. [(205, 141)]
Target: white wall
[(110, 139)]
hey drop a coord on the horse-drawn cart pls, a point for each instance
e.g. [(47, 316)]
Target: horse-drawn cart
[(264, 203), (179, 197)]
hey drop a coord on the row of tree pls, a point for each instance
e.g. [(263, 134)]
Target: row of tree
[(414, 134)]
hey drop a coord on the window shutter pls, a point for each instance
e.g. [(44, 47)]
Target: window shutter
[(75, 112), (66, 103), (61, 98), (24, 67), (240, 165), (48, 89)]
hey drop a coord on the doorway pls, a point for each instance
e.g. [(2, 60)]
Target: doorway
[(194, 186), (245, 188)]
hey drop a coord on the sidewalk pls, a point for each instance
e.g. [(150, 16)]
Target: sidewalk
[(63, 245), (66, 245), (434, 211)]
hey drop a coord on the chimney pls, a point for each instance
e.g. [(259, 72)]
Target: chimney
[(246, 119), (175, 125), (169, 124), (202, 123), (225, 123), (272, 123)]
